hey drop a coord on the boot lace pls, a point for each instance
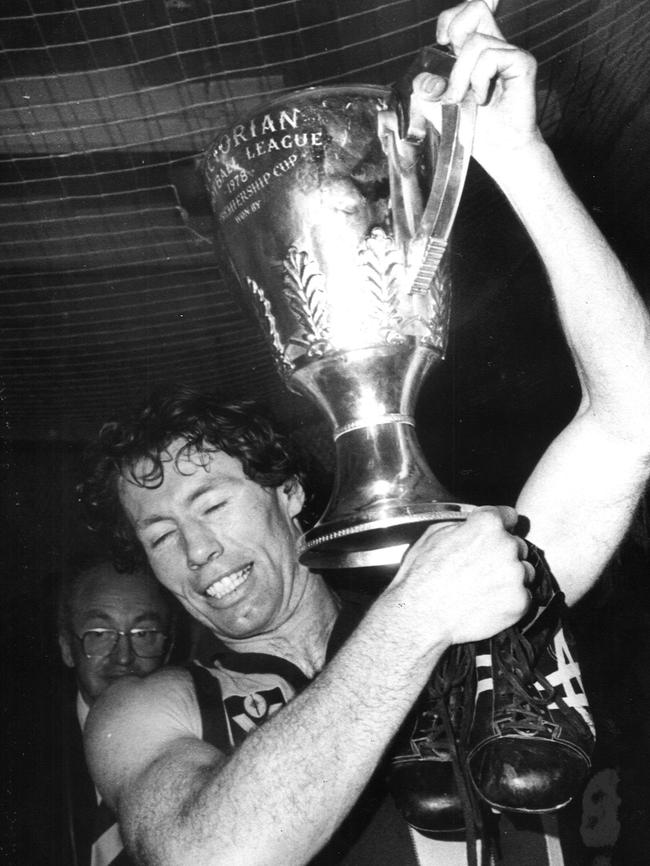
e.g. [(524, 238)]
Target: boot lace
[(530, 692)]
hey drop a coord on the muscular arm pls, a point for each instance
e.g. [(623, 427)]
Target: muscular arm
[(279, 797), (582, 494)]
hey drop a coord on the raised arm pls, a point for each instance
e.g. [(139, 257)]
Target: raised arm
[(582, 494)]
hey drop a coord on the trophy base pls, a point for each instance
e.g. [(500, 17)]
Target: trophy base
[(379, 542)]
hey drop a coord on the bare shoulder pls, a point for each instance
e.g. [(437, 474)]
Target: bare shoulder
[(163, 698), (134, 722)]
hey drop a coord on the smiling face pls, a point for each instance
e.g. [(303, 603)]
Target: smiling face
[(224, 545), (106, 599)]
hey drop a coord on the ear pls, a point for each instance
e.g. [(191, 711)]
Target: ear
[(66, 650), (294, 493)]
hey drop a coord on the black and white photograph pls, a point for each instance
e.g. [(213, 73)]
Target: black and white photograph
[(325, 432)]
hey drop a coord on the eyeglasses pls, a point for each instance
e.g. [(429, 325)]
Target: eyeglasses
[(147, 643)]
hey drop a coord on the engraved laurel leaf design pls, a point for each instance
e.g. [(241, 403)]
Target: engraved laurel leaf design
[(431, 311), (440, 295), (267, 319), (383, 271), (305, 291)]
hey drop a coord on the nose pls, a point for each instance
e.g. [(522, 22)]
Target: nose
[(123, 651), (201, 544)]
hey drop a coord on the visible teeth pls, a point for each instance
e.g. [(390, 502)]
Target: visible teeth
[(226, 584)]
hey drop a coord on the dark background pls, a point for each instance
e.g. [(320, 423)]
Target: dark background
[(110, 283)]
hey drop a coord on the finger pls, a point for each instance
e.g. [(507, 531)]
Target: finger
[(483, 60), (528, 567), (529, 575), (507, 515), (457, 24), (522, 548)]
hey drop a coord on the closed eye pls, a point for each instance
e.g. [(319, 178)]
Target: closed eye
[(214, 507), (159, 540)]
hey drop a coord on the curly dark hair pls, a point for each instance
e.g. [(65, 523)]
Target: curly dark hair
[(136, 449)]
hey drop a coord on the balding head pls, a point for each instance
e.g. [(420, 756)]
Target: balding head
[(98, 599)]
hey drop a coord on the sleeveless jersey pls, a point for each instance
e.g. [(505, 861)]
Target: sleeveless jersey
[(236, 692)]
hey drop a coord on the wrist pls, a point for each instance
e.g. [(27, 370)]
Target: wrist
[(521, 163), (425, 634)]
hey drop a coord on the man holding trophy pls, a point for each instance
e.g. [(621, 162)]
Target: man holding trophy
[(272, 748)]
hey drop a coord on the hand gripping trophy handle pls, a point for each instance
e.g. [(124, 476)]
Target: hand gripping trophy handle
[(454, 125), (335, 207)]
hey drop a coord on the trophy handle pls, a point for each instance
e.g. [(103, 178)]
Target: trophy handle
[(447, 129)]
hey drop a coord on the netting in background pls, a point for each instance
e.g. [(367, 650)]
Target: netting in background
[(109, 278)]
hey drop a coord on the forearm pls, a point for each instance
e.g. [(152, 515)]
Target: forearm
[(280, 796), (605, 321), (583, 492)]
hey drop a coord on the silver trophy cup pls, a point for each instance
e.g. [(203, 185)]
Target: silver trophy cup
[(335, 206)]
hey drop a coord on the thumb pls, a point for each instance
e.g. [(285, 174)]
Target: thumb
[(428, 86)]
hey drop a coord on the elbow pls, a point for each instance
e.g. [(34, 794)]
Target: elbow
[(623, 421)]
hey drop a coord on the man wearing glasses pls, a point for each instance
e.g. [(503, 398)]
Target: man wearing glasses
[(109, 625)]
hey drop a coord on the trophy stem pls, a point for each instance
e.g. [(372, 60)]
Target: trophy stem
[(384, 492)]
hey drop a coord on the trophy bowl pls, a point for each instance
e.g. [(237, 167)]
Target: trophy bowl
[(334, 207)]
